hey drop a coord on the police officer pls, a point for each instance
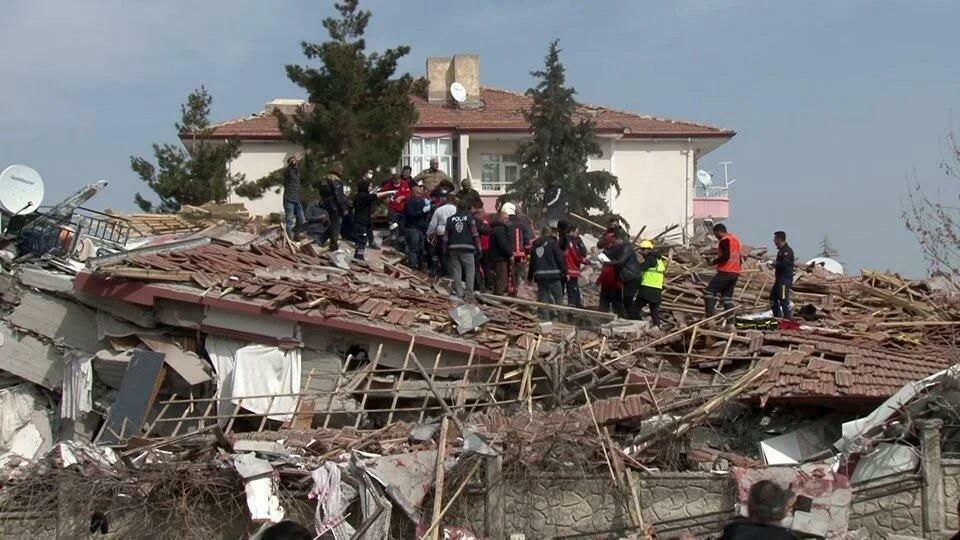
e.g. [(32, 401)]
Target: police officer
[(652, 268), (461, 247), (783, 277)]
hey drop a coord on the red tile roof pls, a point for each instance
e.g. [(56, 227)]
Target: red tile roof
[(501, 111)]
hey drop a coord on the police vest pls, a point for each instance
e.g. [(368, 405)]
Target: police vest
[(459, 235), (732, 265), (653, 277)]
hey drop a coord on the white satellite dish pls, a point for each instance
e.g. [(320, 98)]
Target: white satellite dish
[(828, 264), (704, 178), (459, 92), (21, 189)]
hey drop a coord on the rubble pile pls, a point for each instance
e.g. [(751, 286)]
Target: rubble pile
[(210, 371)]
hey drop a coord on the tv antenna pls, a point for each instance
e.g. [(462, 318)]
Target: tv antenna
[(726, 176)]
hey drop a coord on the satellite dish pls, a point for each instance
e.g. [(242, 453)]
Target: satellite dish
[(21, 189), (704, 178), (828, 264), (459, 92)]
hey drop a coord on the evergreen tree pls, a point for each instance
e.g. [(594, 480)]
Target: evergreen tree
[(192, 175), (561, 143), (827, 249), (357, 111)]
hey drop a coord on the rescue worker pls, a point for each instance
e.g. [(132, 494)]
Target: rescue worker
[(402, 188), (335, 201), (548, 269), (501, 252), (432, 176), (611, 290), (461, 247), (436, 231), (521, 241), (469, 195), (484, 263), (575, 253), (416, 218), (292, 193), (653, 266), (363, 203), (728, 270), (783, 277), (623, 258)]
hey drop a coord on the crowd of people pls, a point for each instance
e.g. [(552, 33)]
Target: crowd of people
[(444, 230)]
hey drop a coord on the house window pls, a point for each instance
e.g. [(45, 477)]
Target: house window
[(498, 173), (418, 152)]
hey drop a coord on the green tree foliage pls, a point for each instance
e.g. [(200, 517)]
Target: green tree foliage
[(562, 141), (357, 111), (192, 175)]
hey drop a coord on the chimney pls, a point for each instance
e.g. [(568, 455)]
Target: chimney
[(285, 106), (442, 71)]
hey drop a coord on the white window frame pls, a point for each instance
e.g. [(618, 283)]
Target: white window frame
[(418, 152), (503, 161)]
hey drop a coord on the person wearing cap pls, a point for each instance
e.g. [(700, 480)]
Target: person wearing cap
[(401, 187), (469, 195), (653, 267), (335, 201), (292, 195), (522, 241), (433, 176)]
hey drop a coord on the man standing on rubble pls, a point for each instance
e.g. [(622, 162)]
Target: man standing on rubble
[(461, 247), (335, 201), (433, 176), (292, 196), (548, 268), (728, 270), (623, 258), (436, 231), (401, 187), (783, 277), (469, 195), (416, 217), (653, 267), (501, 252)]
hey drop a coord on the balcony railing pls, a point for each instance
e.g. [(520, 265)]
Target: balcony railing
[(711, 192)]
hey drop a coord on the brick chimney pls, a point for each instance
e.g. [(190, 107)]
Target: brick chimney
[(442, 71)]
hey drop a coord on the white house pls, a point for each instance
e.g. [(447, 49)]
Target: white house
[(655, 159)]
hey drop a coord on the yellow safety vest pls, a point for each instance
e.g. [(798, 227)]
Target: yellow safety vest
[(653, 277)]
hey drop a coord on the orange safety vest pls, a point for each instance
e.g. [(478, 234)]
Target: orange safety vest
[(732, 265)]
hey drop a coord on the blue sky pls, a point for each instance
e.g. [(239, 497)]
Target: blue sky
[(838, 105)]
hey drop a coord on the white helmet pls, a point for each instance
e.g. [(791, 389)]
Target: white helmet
[(509, 209)]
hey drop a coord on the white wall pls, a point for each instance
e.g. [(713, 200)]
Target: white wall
[(256, 160), (655, 183)]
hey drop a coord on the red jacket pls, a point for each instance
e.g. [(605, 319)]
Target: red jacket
[(575, 255), (608, 275), (398, 200), (483, 227)]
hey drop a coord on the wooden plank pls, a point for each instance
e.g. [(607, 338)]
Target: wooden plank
[(438, 478), (138, 391)]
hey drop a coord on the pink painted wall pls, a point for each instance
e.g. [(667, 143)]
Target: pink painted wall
[(711, 208)]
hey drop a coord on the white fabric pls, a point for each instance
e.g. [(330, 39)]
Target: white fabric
[(255, 370), (17, 403), (326, 489), (77, 397), (438, 223), (262, 500)]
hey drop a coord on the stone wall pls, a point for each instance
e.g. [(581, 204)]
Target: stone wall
[(548, 506), (951, 488), (888, 506)]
